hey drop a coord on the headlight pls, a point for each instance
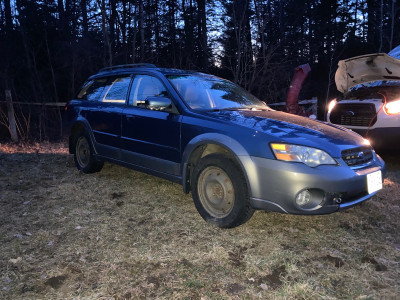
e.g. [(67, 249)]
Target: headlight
[(310, 156), (393, 107), (367, 142), (331, 105)]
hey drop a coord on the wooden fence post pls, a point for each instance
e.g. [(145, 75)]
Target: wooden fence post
[(11, 117)]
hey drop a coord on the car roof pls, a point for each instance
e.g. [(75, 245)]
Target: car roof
[(129, 68)]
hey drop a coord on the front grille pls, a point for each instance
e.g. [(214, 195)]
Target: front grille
[(354, 114), (357, 156)]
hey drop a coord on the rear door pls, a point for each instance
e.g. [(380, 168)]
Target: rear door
[(104, 115), (150, 138)]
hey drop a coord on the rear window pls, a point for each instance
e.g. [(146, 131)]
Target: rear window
[(92, 89), (116, 89)]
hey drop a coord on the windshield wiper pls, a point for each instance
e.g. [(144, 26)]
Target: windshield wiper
[(240, 108), (229, 108)]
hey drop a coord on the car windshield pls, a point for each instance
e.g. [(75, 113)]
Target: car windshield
[(202, 92)]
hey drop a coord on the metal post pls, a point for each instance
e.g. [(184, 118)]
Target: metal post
[(11, 117)]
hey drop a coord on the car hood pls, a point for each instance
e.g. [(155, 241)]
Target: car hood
[(366, 68), (284, 127)]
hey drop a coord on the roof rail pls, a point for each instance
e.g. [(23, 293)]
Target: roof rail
[(139, 65)]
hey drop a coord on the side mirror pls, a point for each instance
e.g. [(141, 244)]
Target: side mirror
[(158, 103)]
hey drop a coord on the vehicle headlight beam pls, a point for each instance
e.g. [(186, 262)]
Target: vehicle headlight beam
[(393, 107), (331, 105)]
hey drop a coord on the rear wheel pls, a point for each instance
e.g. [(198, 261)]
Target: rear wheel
[(220, 192), (84, 154)]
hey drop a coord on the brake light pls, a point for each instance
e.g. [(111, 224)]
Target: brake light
[(393, 107), (66, 106)]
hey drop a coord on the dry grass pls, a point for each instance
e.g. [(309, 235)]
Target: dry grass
[(120, 234)]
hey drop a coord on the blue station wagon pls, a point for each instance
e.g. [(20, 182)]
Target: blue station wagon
[(233, 152)]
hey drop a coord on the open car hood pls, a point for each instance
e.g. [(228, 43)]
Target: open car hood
[(366, 68)]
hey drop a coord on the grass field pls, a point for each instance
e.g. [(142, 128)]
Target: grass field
[(120, 234)]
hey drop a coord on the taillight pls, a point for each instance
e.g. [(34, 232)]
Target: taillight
[(66, 106)]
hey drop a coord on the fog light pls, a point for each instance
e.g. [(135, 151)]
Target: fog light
[(303, 198), (310, 199)]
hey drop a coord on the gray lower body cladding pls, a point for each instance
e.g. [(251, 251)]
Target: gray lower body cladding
[(274, 185)]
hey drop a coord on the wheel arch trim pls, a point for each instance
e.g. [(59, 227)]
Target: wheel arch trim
[(81, 122), (231, 145)]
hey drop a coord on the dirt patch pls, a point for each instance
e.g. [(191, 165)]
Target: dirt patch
[(56, 282), (117, 195), (235, 288), (378, 266), (236, 255), (337, 261), (154, 281), (275, 279)]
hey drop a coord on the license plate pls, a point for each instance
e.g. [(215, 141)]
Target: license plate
[(374, 181)]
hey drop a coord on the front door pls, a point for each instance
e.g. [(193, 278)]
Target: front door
[(150, 138)]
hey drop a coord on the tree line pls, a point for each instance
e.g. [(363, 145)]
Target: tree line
[(48, 48)]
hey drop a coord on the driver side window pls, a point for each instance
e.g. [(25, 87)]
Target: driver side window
[(145, 86)]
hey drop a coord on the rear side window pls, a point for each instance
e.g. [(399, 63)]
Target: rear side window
[(116, 89), (92, 89)]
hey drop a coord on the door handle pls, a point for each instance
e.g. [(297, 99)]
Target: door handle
[(130, 117)]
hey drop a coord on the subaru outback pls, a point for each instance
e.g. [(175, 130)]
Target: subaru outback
[(233, 152)]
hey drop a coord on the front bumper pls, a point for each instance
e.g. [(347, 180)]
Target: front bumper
[(274, 184)]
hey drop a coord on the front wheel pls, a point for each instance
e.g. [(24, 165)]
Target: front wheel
[(220, 192), (84, 155)]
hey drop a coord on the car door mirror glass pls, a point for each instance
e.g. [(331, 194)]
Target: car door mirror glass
[(159, 103)]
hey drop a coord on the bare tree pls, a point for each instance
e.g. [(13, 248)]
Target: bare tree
[(107, 42), (202, 30), (85, 28), (8, 17), (141, 30), (393, 13), (381, 29)]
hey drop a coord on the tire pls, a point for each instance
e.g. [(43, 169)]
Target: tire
[(84, 157), (220, 192)]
